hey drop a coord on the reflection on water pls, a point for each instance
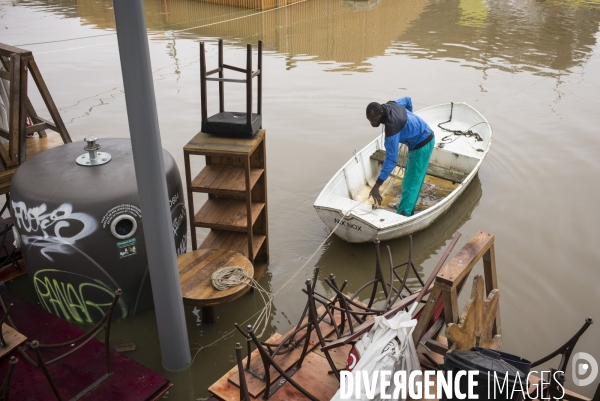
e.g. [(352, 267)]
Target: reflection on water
[(348, 31), (516, 36)]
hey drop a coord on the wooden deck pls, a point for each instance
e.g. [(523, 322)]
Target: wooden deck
[(34, 146), (313, 375), (129, 382)]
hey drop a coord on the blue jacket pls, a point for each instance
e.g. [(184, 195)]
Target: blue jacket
[(401, 126)]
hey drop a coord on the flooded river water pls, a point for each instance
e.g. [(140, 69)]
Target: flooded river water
[(532, 68)]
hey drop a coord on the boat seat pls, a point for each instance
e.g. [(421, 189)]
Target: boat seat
[(432, 169)]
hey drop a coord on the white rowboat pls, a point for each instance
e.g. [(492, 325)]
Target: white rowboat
[(454, 162)]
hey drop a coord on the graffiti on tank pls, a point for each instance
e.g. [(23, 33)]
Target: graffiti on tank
[(77, 301), (173, 200), (48, 229), (182, 248), (179, 219)]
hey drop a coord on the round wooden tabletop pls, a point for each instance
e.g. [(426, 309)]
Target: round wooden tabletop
[(196, 269)]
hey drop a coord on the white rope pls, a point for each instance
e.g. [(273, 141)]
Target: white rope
[(232, 276)]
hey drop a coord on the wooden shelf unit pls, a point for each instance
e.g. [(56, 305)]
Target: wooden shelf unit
[(235, 179)]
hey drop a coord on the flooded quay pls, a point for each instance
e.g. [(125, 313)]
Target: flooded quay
[(532, 68)]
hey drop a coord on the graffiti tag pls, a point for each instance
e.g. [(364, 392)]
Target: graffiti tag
[(54, 231), (84, 302)]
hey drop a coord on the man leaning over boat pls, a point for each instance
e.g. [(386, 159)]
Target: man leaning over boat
[(402, 127)]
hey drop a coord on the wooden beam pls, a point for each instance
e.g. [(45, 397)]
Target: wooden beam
[(491, 281), (7, 50), (38, 127), (14, 118), (461, 265), (36, 119), (39, 81), (21, 149)]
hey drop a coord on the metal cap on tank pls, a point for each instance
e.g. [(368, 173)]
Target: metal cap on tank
[(93, 157)]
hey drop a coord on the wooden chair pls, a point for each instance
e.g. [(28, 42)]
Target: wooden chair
[(16, 63), (231, 123)]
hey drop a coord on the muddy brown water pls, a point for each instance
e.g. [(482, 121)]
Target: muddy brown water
[(532, 68)]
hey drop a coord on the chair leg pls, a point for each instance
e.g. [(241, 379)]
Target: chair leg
[(244, 396), (35, 345), (6, 385)]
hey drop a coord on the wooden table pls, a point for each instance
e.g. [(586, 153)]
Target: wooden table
[(195, 271)]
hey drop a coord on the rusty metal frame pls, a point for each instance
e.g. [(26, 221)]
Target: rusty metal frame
[(4, 390), (103, 324)]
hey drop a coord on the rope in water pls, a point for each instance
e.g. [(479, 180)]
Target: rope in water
[(232, 276)]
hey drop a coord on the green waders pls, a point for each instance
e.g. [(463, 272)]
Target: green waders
[(414, 176)]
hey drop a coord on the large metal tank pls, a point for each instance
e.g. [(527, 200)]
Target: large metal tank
[(81, 228)]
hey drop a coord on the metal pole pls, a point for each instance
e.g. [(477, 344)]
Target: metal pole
[(151, 182)]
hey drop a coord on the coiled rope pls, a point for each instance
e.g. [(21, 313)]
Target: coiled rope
[(232, 276)]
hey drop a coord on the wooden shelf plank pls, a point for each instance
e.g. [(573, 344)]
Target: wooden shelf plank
[(226, 214), (233, 241), (203, 144), (224, 179)]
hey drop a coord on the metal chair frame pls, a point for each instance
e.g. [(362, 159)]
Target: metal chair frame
[(103, 324)]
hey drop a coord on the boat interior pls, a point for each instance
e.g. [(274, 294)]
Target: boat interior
[(445, 173)]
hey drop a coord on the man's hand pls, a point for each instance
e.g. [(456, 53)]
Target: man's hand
[(376, 195)]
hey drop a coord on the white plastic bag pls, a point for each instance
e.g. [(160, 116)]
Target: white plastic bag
[(388, 346)]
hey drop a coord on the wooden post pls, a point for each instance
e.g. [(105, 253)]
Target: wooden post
[(249, 219), (491, 281), (203, 104), (259, 83), (221, 75), (22, 135), (41, 85), (14, 119), (249, 84), (188, 181)]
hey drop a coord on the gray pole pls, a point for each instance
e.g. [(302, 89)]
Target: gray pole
[(151, 182)]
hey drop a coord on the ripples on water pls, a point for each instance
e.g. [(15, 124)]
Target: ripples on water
[(531, 67)]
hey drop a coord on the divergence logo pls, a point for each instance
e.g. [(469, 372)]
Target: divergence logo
[(584, 364)]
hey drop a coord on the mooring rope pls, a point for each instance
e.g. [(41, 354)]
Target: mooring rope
[(232, 276), (468, 133)]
